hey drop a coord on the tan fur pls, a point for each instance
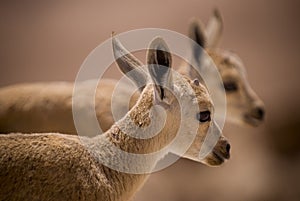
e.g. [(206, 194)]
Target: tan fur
[(46, 107), (59, 167), (243, 105)]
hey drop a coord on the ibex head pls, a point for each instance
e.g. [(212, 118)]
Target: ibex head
[(244, 106), (186, 103)]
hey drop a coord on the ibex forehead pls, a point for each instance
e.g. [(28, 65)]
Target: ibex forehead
[(226, 59), (203, 96), (186, 88)]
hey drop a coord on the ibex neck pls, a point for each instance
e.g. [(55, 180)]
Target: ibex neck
[(132, 133), (127, 144), (144, 129)]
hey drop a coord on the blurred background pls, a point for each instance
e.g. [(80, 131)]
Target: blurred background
[(49, 40)]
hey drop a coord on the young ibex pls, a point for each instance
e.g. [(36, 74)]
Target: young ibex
[(47, 107), (60, 167)]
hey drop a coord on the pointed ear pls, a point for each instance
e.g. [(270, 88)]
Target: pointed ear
[(196, 33), (214, 29), (159, 62), (129, 64)]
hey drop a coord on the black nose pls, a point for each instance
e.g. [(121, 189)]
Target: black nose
[(225, 147), (228, 148), (222, 148), (259, 113)]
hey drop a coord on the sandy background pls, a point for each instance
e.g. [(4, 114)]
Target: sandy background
[(48, 40)]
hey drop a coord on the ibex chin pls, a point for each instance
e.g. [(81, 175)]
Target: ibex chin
[(60, 167)]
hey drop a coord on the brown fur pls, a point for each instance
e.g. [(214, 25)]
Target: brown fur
[(46, 107), (60, 167), (243, 105)]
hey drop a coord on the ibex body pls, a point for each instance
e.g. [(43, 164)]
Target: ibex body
[(46, 107)]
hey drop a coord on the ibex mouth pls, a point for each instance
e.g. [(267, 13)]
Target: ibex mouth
[(216, 158)]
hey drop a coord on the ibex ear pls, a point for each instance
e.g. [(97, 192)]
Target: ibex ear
[(214, 29), (129, 64), (197, 34), (159, 62)]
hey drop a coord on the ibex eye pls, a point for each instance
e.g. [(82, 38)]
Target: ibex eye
[(230, 86), (203, 116)]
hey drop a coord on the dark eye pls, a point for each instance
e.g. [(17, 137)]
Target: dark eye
[(203, 116), (230, 86)]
